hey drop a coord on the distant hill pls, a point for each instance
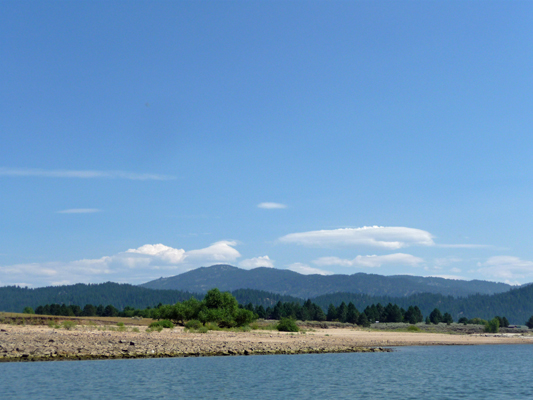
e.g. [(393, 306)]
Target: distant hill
[(14, 299), (515, 304), (285, 282)]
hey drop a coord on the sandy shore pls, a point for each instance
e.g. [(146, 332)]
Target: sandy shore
[(39, 343)]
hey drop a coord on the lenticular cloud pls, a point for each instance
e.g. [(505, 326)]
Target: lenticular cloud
[(369, 236)]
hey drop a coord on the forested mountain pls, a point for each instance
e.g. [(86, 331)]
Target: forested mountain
[(516, 304), (285, 282), (14, 299)]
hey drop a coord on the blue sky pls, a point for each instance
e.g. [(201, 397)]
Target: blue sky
[(144, 139)]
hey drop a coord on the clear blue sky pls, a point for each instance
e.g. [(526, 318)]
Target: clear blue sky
[(143, 139)]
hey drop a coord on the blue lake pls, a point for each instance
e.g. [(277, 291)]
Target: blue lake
[(443, 372)]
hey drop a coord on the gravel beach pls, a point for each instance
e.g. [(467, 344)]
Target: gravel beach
[(41, 343)]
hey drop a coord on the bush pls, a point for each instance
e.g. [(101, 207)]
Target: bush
[(193, 324), (287, 325), (154, 328), (163, 324), (202, 329), (413, 328), (68, 325), (53, 324)]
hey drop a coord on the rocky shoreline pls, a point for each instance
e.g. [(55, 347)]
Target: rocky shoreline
[(97, 342), (32, 343)]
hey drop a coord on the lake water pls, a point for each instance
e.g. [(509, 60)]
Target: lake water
[(443, 372)]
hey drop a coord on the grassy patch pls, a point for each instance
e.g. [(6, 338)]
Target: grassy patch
[(68, 325)]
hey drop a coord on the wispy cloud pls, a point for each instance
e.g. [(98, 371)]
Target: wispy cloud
[(82, 174), (305, 269), (464, 246), (79, 211), (371, 236), (271, 206), (372, 261), (508, 268)]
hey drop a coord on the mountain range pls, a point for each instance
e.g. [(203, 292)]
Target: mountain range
[(285, 282)]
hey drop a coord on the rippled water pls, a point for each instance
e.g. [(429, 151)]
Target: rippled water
[(446, 372)]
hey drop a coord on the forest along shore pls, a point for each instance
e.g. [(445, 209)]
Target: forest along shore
[(40, 343)]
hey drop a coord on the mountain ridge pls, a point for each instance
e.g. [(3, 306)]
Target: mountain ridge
[(229, 278)]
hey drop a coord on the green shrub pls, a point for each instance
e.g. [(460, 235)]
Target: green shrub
[(166, 324), (492, 326), (120, 323), (135, 329), (53, 324), (413, 328), (202, 329), (163, 324), (212, 327), (194, 324), (156, 328), (68, 325), (287, 325)]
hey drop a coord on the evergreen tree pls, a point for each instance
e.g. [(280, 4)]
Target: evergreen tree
[(100, 310), (319, 314), (447, 318), (332, 313), (352, 314), (529, 322), (260, 311), (363, 320), (411, 315), (418, 315), (435, 317), (276, 312), (342, 312)]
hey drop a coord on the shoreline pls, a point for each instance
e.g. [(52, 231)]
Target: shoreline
[(39, 343)]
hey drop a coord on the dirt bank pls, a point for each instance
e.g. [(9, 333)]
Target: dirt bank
[(39, 343)]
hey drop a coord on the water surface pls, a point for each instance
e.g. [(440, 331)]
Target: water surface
[(444, 372)]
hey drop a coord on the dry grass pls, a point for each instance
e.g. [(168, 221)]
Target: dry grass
[(34, 319)]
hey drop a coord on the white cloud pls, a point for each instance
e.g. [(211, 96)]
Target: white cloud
[(87, 174), (447, 261), (134, 265), (256, 262), (219, 251), (371, 236), (508, 268), (372, 261), (463, 246), (165, 253), (305, 269), (455, 270), (79, 211), (271, 206)]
